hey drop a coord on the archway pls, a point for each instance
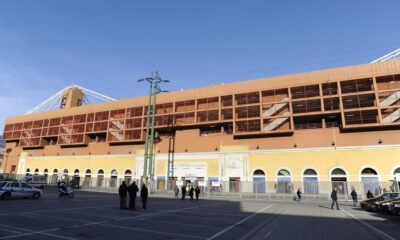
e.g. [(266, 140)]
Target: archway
[(54, 176), (114, 177), (100, 178), (65, 176), (284, 181), (36, 171), (258, 181), (310, 180), (370, 181), (339, 181), (128, 176), (46, 172), (87, 182), (76, 179), (28, 171)]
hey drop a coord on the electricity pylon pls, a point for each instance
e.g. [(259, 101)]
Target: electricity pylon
[(148, 166)]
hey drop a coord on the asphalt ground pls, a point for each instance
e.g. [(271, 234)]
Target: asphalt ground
[(91, 215)]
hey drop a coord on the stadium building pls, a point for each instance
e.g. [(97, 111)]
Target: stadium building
[(316, 130)]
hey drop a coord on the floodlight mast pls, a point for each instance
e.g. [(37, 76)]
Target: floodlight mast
[(395, 55), (149, 153)]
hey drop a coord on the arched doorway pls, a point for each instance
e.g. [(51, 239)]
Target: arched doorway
[(28, 171), (114, 177), (65, 176), (76, 179), (87, 182), (46, 172), (258, 181), (54, 177), (370, 181), (36, 171), (128, 176), (284, 181), (339, 181), (100, 178), (310, 180)]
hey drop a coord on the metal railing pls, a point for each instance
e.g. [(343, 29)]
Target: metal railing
[(231, 189)]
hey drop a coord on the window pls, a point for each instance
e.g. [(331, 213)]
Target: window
[(14, 185), (24, 185), (368, 171), (338, 171)]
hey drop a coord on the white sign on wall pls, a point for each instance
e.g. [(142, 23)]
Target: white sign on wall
[(190, 170), (179, 183), (234, 167)]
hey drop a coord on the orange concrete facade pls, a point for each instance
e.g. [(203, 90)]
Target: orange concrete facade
[(350, 106)]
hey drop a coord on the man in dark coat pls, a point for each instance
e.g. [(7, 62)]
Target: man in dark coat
[(299, 199), (191, 190), (334, 199), (183, 192), (197, 191), (369, 194), (354, 197), (132, 190), (144, 194), (123, 193)]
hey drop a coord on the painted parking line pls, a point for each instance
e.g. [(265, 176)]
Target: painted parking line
[(237, 223), (369, 226), (28, 232), (263, 224), (86, 224), (152, 231), (56, 210)]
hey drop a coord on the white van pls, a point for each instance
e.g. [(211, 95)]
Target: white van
[(38, 181)]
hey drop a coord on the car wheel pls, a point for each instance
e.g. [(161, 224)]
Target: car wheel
[(6, 196), (36, 195)]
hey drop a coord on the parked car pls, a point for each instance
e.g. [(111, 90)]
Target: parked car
[(383, 206), (367, 204), (394, 207), (15, 189)]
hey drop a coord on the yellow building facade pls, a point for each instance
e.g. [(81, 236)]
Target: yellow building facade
[(237, 168)]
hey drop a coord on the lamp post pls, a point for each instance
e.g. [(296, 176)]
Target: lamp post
[(154, 81)]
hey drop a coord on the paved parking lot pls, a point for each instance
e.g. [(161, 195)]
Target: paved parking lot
[(93, 215)]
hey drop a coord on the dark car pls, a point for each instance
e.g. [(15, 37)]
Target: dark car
[(368, 204), (383, 206), (394, 207)]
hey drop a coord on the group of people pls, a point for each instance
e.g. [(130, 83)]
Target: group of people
[(187, 189), (131, 190), (334, 197)]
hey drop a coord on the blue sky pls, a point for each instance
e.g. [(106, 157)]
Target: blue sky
[(107, 45)]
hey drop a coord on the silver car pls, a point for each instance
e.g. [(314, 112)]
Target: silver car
[(15, 189)]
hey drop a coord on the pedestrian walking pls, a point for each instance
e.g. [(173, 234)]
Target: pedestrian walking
[(354, 196), (334, 199), (197, 191), (369, 194), (132, 191), (176, 190), (191, 191), (183, 192), (144, 194), (123, 193), (299, 199)]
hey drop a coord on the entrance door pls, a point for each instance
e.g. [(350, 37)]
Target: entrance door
[(234, 184), (340, 183)]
